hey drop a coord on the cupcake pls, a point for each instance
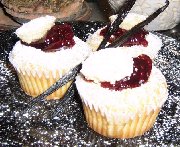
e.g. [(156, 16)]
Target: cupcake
[(121, 95), (44, 53), (143, 42)]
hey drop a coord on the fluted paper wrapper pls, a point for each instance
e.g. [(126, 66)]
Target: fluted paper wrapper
[(132, 128), (34, 85)]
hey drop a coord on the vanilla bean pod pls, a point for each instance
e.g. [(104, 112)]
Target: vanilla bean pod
[(136, 28), (123, 11), (63, 102)]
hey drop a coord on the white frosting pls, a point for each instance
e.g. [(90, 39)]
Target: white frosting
[(130, 20), (154, 42), (124, 105), (110, 65), (154, 45), (35, 29), (35, 61)]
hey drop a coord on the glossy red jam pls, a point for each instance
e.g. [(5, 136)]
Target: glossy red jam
[(58, 36), (141, 71), (136, 39)]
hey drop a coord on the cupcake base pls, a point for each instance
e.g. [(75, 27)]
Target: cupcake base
[(35, 85), (136, 127)]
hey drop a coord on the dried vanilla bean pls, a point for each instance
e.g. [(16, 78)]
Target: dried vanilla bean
[(123, 11), (136, 28)]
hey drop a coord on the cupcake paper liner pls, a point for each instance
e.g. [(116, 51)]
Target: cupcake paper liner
[(34, 85), (134, 127)]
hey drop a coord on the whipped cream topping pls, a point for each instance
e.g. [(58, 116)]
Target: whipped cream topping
[(130, 20), (109, 65), (30, 60), (35, 29)]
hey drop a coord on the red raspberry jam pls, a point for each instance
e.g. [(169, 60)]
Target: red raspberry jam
[(58, 36), (141, 71), (136, 39)]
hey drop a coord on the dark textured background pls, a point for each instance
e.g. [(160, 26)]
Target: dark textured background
[(68, 126)]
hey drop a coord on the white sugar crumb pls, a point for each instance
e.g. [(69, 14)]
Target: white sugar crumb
[(110, 65), (130, 20), (35, 29)]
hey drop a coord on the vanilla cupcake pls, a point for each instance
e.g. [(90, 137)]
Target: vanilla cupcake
[(143, 42), (121, 95), (44, 54)]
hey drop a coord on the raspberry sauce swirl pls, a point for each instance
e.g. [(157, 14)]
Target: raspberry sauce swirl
[(136, 39), (58, 36), (141, 71)]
